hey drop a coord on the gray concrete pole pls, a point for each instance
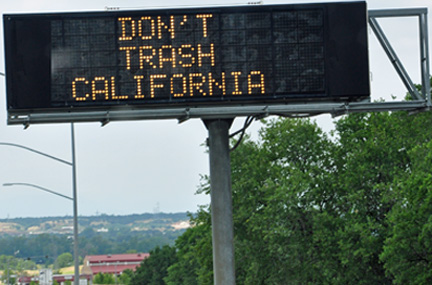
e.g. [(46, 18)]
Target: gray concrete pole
[(221, 202)]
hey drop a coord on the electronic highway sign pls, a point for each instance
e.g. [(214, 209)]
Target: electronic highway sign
[(192, 58)]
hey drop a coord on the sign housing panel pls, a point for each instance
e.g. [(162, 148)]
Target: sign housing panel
[(225, 56)]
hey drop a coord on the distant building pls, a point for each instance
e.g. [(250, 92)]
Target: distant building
[(26, 280), (61, 279), (66, 279), (112, 263)]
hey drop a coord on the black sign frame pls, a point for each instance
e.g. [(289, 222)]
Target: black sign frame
[(30, 47)]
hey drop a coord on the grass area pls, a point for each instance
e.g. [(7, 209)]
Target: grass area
[(27, 272), (67, 270)]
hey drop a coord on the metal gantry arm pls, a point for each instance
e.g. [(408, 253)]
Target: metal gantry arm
[(421, 13), (424, 47)]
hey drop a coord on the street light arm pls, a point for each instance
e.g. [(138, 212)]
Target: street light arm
[(38, 187), (74, 199), (38, 152)]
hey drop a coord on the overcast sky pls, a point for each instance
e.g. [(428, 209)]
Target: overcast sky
[(147, 166)]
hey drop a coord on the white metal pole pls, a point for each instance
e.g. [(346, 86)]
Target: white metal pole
[(75, 209)]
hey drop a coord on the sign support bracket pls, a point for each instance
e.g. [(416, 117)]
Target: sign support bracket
[(421, 13)]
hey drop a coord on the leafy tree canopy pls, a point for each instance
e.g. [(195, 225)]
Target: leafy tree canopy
[(352, 207), (64, 260), (153, 269)]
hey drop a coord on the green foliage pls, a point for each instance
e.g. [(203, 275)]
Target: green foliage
[(193, 249), (40, 249), (98, 278), (126, 277), (7, 274), (280, 188), (408, 250), (14, 263), (43, 249), (64, 260), (154, 268), (355, 208), (104, 278)]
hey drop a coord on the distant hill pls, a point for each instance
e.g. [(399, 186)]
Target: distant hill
[(43, 239), (104, 224)]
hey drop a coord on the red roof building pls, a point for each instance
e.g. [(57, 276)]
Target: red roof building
[(61, 279), (25, 280), (112, 263)]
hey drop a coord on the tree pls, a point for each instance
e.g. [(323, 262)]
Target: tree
[(408, 248), (104, 278), (7, 276), (154, 268), (18, 265), (355, 208), (367, 161), (280, 190), (193, 265), (280, 198), (126, 277), (98, 279), (64, 260)]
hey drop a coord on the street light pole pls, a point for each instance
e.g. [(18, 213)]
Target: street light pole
[(75, 208), (75, 220), (74, 194)]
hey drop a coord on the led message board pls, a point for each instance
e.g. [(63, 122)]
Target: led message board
[(221, 56)]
